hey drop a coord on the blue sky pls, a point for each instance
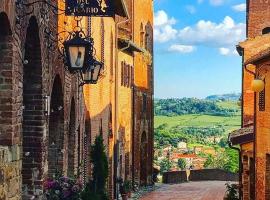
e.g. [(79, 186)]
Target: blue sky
[(195, 47)]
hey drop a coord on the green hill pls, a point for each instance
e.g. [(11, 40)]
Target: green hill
[(199, 127), (174, 107)]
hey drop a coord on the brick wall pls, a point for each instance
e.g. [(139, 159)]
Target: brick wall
[(22, 92), (245, 177), (143, 92), (199, 175), (267, 177), (258, 17)]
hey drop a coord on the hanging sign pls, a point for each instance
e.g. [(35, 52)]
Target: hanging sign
[(99, 8)]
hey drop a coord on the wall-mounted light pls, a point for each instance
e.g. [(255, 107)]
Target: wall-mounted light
[(91, 74), (257, 85), (78, 50)]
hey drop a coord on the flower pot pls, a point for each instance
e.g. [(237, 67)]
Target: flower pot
[(124, 196)]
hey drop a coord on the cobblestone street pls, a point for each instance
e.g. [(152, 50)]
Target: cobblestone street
[(210, 190)]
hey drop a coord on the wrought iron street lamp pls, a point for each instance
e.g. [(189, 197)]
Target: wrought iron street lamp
[(91, 74), (77, 52)]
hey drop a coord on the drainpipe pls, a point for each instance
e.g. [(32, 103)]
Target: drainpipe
[(241, 52), (240, 166), (255, 130)]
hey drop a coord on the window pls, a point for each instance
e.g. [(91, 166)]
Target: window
[(266, 30), (126, 75), (144, 105), (149, 37), (122, 73), (262, 100), (141, 36)]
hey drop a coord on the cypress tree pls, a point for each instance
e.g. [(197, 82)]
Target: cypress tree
[(96, 188)]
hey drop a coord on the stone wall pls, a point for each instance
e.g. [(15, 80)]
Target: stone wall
[(199, 175), (10, 170)]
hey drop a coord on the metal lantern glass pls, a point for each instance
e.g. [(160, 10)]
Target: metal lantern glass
[(77, 52), (257, 85), (91, 75)]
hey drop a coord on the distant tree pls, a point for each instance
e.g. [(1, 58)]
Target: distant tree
[(223, 142), (165, 165), (209, 161), (173, 107), (232, 163), (181, 163)]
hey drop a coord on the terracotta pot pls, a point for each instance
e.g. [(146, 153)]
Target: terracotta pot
[(124, 196)]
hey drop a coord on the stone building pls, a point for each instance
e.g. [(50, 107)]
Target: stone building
[(48, 120), (253, 137)]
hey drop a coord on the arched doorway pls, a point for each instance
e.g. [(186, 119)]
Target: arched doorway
[(33, 113), (6, 56), (71, 140), (143, 160), (56, 129)]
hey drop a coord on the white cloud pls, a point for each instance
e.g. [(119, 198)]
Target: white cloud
[(240, 7), (208, 33), (224, 51), (181, 48), (227, 51), (161, 18), (216, 2), (163, 30), (191, 9)]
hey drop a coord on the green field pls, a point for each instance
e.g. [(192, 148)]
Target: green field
[(229, 123), (200, 120)]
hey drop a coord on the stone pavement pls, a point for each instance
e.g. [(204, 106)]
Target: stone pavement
[(207, 190)]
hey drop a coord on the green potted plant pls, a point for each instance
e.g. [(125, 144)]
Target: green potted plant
[(96, 187), (232, 192), (125, 189)]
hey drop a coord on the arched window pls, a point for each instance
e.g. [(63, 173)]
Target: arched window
[(141, 36), (4, 24), (149, 37), (266, 30), (6, 55)]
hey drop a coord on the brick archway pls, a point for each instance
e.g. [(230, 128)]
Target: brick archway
[(56, 129), (143, 159), (71, 140), (33, 114), (6, 101)]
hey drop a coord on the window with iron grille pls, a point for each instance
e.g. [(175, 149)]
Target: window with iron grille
[(144, 103), (262, 100)]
